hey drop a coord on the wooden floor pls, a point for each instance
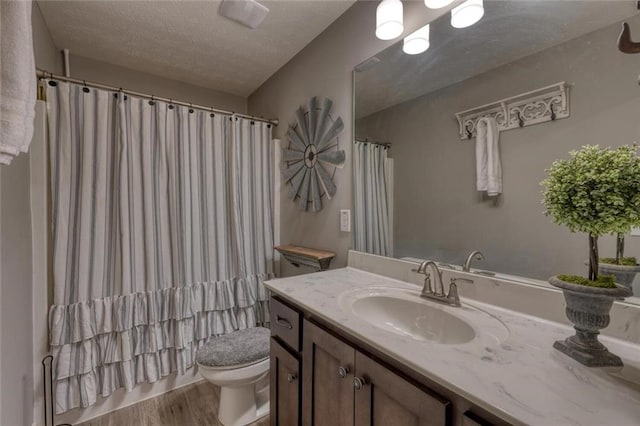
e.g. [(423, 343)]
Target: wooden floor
[(193, 405)]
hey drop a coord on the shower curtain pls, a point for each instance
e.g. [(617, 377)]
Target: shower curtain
[(372, 174), (162, 236)]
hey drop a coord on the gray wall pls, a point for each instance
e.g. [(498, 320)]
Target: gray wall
[(102, 72), (324, 68), (440, 215), (16, 331)]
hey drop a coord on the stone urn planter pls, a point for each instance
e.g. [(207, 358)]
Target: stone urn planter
[(624, 274), (588, 309)]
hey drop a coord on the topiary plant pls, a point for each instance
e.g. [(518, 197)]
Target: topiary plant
[(596, 191)]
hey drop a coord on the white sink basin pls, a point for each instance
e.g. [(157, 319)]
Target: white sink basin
[(404, 312), (413, 319)]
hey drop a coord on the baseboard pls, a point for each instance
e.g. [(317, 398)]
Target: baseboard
[(121, 399)]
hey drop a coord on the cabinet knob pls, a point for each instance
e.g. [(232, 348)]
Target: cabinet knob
[(343, 372), (291, 377), (359, 383)]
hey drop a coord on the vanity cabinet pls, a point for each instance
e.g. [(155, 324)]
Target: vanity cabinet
[(284, 387), (285, 364), (342, 386), (384, 398), (320, 377), (327, 378)]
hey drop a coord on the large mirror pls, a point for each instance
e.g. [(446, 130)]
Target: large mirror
[(415, 166)]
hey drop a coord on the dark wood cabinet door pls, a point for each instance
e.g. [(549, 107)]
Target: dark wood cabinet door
[(284, 387), (327, 373), (382, 398)]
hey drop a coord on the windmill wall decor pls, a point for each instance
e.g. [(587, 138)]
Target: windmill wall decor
[(313, 155)]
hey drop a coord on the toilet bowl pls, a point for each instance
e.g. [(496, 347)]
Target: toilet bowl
[(238, 362)]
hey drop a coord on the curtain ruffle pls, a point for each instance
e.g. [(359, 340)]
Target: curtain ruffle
[(82, 390), (85, 320), (104, 344)]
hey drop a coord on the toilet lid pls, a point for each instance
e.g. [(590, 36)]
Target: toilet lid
[(239, 347)]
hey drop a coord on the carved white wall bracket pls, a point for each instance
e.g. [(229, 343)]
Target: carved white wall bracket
[(537, 106)]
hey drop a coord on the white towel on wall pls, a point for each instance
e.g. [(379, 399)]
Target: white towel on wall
[(488, 167), (17, 79)]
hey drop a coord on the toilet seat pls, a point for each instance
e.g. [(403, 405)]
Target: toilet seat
[(231, 367), (244, 387)]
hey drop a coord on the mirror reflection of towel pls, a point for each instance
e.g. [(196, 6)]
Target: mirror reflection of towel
[(488, 167)]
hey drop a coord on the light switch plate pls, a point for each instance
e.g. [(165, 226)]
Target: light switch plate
[(345, 220)]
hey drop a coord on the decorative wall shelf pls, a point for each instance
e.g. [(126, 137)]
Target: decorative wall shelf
[(537, 106), (318, 259)]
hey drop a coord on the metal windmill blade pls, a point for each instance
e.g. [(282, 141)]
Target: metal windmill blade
[(292, 155), (295, 140), (334, 158), (326, 180), (331, 133)]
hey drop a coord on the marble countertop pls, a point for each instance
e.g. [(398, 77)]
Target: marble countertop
[(520, 378)]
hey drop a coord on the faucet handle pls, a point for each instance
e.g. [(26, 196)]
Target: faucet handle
[(453, 294), (428, 287), (464, 280)]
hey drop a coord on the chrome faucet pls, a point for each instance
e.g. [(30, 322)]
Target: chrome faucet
[(476, 254), (437, 294)]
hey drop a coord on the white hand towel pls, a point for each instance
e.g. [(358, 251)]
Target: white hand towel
[(488, 166), (17, 79)]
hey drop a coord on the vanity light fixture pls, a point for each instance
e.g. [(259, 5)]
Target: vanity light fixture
[(416, 42), (437, 4), (389, 19), (467, 14)]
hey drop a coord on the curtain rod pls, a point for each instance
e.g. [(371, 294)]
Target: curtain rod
[(46, 74), (372, 142)]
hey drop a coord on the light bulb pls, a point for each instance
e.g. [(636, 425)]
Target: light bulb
[(416, 42), (437, 4), (467, 14), (389, 19)]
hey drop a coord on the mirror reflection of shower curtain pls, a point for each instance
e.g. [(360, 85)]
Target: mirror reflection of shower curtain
[(373, 199)]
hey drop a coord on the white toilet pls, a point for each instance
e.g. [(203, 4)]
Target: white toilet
[(238, 362)]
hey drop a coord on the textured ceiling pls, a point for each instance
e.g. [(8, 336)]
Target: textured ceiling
[(508, 31), (188, 40)]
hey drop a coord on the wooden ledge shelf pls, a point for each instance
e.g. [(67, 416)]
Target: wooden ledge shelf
[(297, 255)]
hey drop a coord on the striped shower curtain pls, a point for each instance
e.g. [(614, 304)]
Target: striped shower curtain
[(372, 177), (162, 236)]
